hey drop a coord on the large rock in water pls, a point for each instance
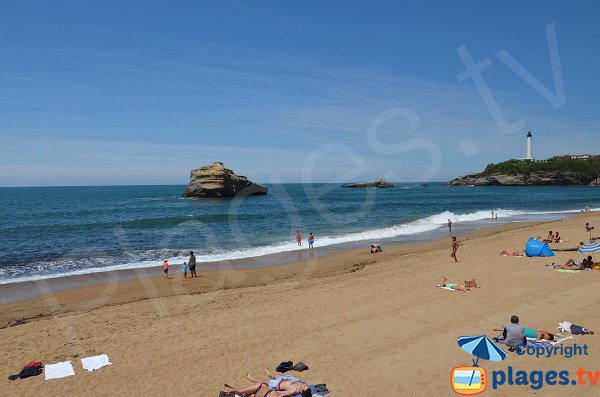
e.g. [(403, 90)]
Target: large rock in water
[(379, 184), (217, 181)]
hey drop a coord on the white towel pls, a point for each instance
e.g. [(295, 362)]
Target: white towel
[(58, 370), (95, 362)]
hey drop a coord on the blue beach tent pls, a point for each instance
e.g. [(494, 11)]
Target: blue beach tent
[(537, 248)]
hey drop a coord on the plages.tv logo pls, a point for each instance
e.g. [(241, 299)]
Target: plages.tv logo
[(469, 380)]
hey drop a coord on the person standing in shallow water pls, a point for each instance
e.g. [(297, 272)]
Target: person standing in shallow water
[(298, 237), (454, 249), (449, 226), (311, 240)]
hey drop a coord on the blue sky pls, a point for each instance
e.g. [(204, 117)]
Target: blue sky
[(313, 91)]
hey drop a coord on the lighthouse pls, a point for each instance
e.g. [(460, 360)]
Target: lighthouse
[(529, 146)]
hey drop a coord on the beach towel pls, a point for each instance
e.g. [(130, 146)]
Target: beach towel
[(59, 370), (446, 288), (532, 342), (318, 390), (95, 362)]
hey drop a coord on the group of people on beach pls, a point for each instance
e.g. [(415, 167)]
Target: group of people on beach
[(190, 265), (554, 238), (311, 239)]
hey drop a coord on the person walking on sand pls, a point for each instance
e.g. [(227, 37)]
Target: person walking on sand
[(166, 268), (311, 240), (449, 226), (298, 237), (192, 264), (454, 249)]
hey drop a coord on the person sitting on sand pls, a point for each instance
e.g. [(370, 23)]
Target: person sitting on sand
[(273, 386), (464, 288), (550, 237), (507, 252), (556, 238), (283, 384), (514, 333)]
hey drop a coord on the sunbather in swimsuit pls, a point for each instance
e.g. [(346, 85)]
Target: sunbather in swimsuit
[(287, 384), (464, 288), (256, 390)]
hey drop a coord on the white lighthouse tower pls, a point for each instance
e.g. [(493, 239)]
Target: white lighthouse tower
[(529, 146)]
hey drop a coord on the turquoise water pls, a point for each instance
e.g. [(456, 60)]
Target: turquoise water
[(51, 231)]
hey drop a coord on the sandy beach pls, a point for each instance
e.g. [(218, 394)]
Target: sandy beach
[(366, 325)]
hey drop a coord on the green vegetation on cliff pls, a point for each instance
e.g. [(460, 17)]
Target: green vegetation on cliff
[(584, 168)]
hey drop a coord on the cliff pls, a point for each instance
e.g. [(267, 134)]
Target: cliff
[(216, 180)]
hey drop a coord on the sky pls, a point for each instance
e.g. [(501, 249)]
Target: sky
[(129, 92)]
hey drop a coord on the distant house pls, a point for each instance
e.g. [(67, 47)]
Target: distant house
[(581, 156)]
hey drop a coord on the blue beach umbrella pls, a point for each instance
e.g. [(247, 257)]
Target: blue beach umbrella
[(481, 347), (588, 248)]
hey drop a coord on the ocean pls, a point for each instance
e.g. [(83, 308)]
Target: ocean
[(50, 232)]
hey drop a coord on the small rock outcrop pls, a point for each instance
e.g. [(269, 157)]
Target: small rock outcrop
[(379, 184), (216, 180)]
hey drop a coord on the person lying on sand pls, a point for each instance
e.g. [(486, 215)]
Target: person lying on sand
[(464, 288), (507, 252), (286, 384), (256, 390), (532, 333), (572, 264), (570, 249)]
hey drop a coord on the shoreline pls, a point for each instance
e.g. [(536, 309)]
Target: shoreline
[(28, 289), (131, 285)]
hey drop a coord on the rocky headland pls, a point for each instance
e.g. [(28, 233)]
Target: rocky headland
[(560, 171)]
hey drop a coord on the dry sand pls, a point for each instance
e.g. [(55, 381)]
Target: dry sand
[(366, 325)]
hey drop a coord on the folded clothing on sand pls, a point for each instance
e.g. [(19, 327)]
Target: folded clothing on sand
[(29, 369), (95, 362), (566, 326), (59, 370)]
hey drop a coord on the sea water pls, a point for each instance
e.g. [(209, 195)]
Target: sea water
[(53, 231)]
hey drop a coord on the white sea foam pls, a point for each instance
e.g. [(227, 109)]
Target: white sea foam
[(417, 227)]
